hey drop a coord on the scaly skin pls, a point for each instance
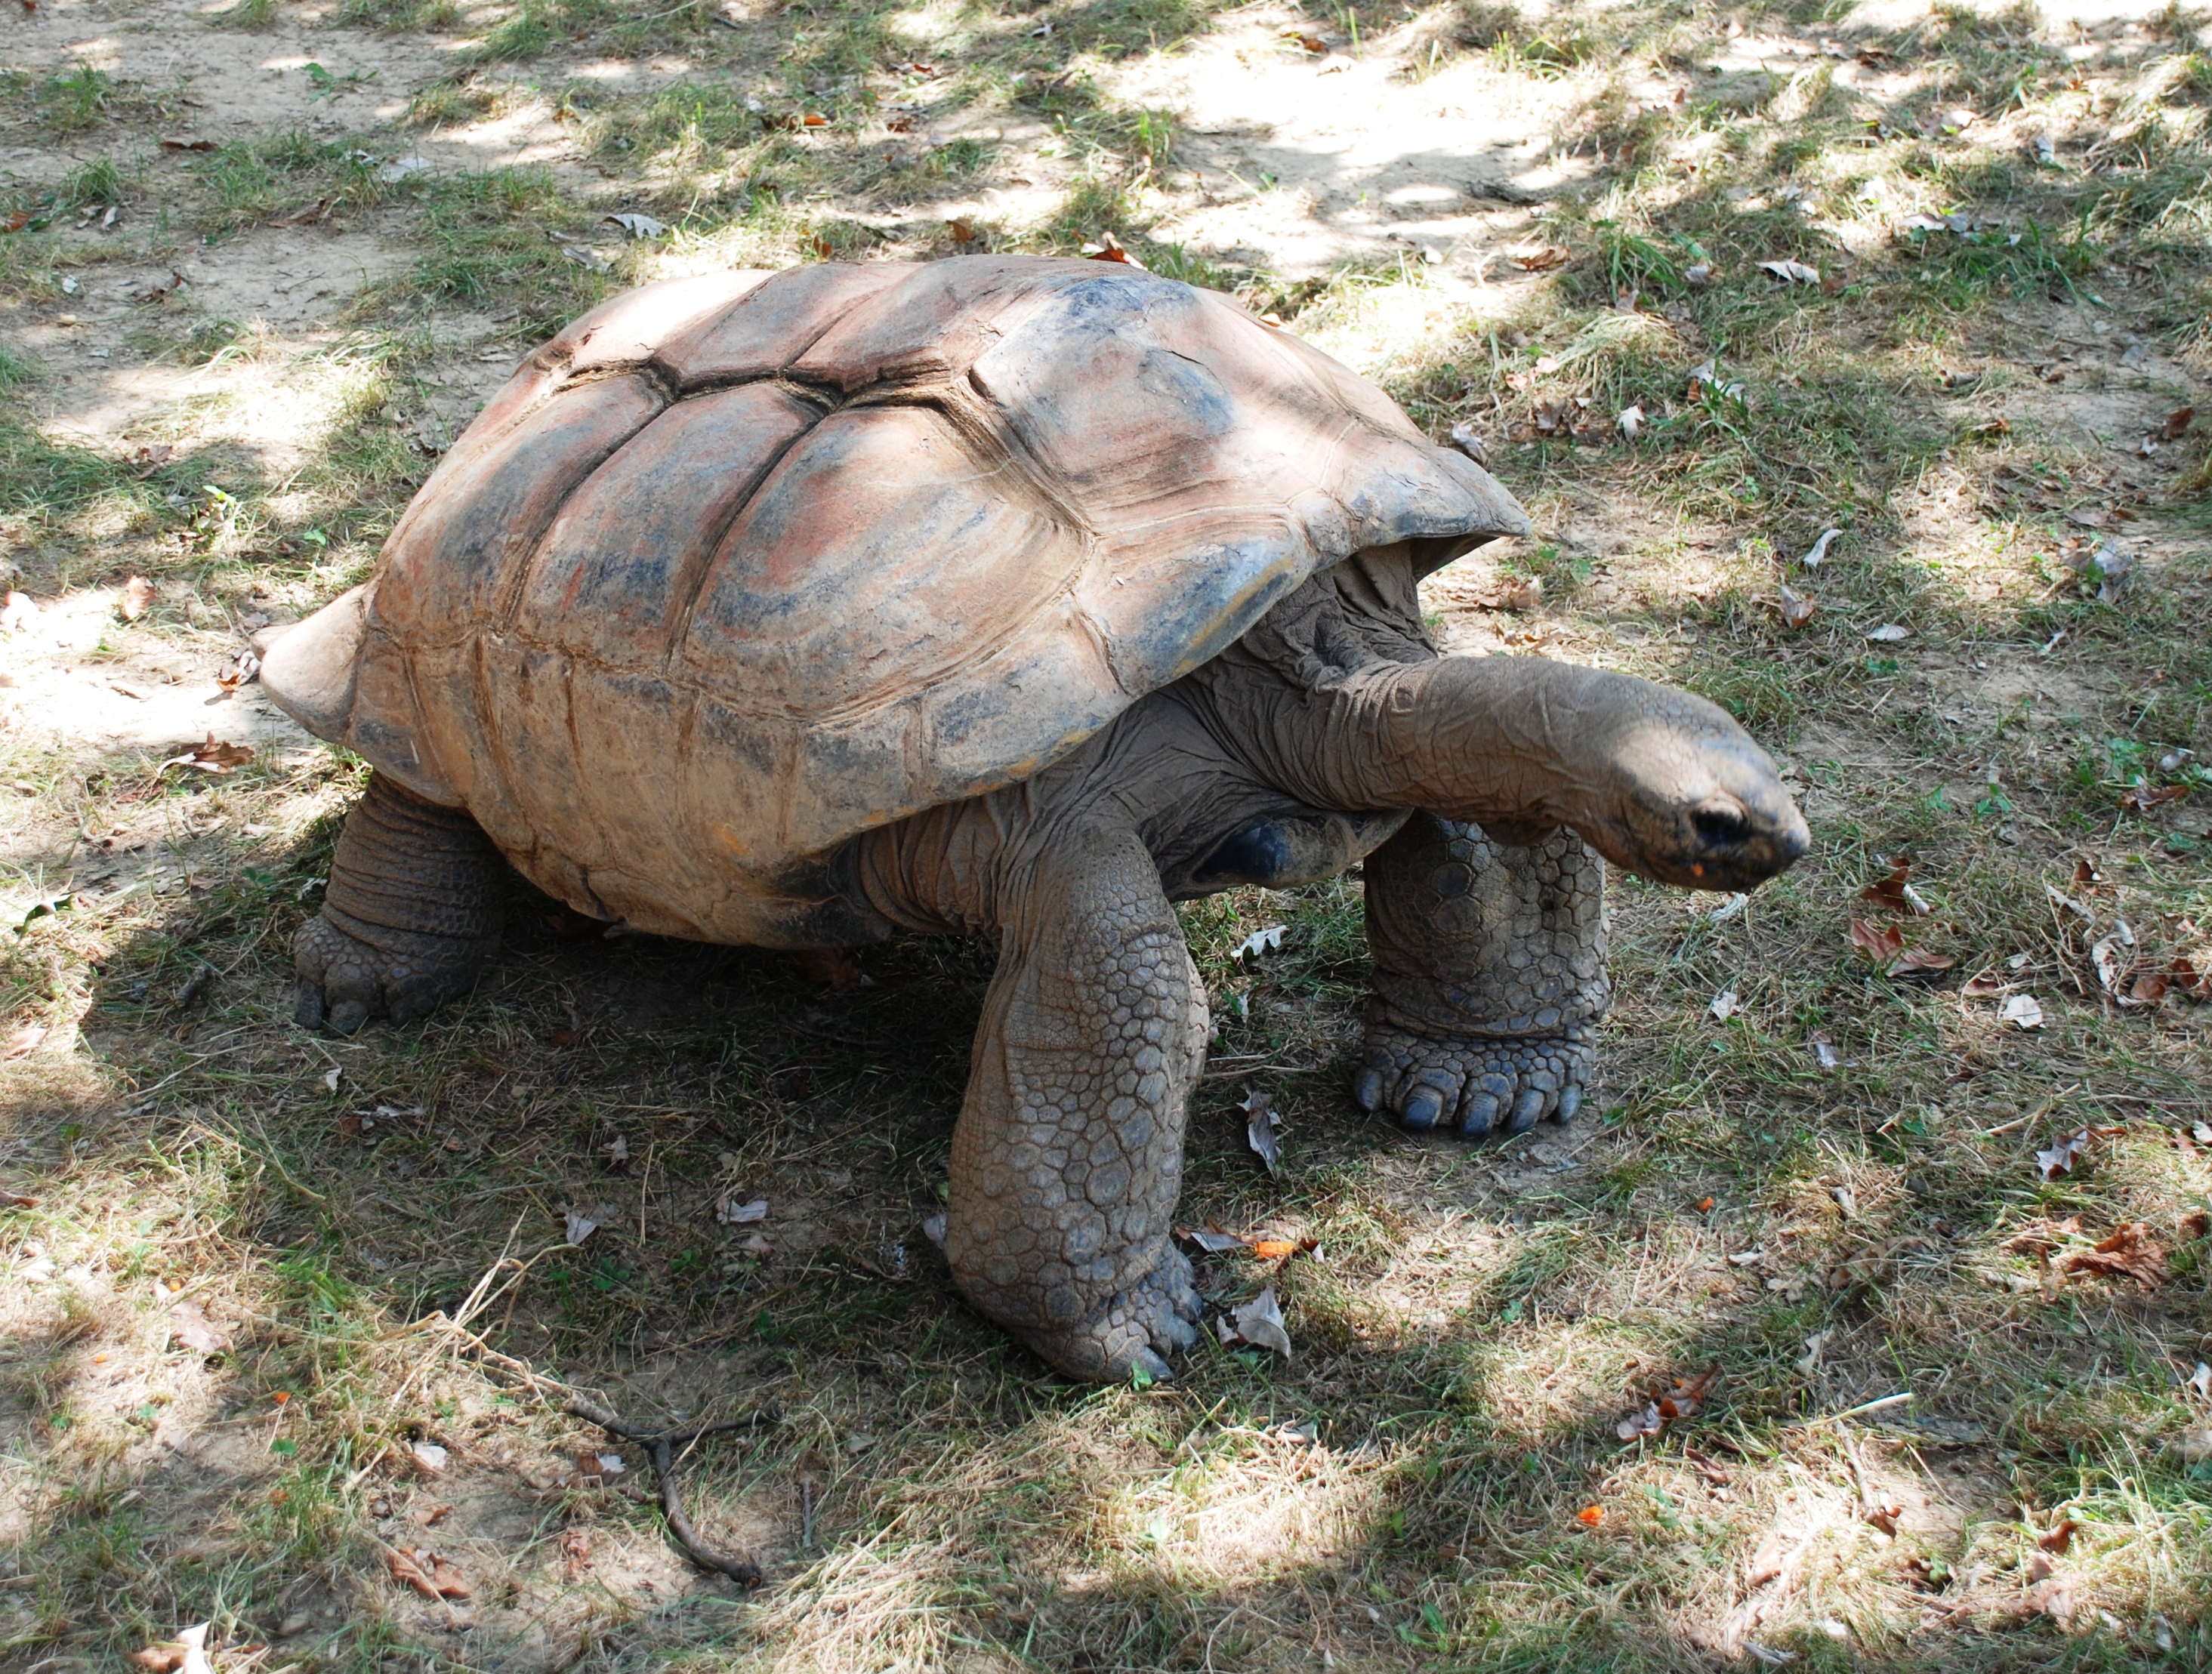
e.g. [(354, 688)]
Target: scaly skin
[(1068, 1157), (1490, 976), (411, 913)]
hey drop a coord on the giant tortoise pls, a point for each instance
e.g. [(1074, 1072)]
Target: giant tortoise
[(1008, 596)]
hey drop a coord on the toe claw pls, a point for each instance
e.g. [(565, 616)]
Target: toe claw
[(308, 1005), (1481, 1110), (1367, 1087), (1152, 1366), (1527, 1109), (348, 1015), (1422, 1105), (1570, 1101)]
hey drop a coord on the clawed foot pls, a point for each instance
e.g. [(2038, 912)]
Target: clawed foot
[(1471, 1086), (1134, 1331), (344, 982)]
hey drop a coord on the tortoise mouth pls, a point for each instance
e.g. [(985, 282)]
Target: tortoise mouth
[(1721, 844)]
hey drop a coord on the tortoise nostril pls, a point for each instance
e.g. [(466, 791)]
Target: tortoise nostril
[(1716, 827)]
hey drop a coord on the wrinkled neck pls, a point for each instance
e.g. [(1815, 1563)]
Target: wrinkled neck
[(1506, 740)]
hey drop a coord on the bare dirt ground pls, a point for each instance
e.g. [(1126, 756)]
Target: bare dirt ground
[(277, 1309)]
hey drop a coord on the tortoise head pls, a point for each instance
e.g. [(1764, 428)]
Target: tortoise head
[(1674, 791)]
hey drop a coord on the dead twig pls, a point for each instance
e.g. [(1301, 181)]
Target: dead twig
[(660, 1445)]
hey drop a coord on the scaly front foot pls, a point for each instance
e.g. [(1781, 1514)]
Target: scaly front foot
[(1472, 1087), (1134, 1331)]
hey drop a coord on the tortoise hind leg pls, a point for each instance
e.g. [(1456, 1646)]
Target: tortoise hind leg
[(411, 913)]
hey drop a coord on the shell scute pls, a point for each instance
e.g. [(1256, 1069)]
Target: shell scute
[(456, 554), (936, 321), (771, 326), (628, 329), (880, 554), (620, 565)]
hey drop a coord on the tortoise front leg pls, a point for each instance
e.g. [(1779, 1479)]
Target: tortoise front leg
[(412, 912), (1068, 1158), (1490, 976)]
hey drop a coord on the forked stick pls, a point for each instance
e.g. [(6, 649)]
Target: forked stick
[(660, 1445)]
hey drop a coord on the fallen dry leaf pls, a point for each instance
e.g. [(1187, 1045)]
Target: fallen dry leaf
[(2061, 1157), (1590, 1516), (136, 598), (1982, 986), (2057, 1540), (433, 1577), (1889, 634), (1273, 1249), (1679, 1402), (1877, 942), (580, 1227), (1260, 1323), (214, 757), (964, 231), (1896, 892), (2023, 1013), (835, 968), (1540, 259), (1766, 1562), (1792, 273), (1725, 1005), (2176, 424), (243, 671), (1109, 249), (192, 1328), (25, 1041), (731, 1213), (428, 1455), (1918, 961), (576, 1554), (1796, 608), (2128, 1252), (1212, 1239), (2201, 1380), (185, 1654), (15, 1200), (2052, 1597), (1269, 940), (1261, 1124), (2142, 798)]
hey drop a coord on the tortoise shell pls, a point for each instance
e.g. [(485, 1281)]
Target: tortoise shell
[(740, 565)]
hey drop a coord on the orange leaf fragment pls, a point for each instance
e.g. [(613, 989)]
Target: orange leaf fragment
[(1704, 1206), (137, 598), (1590, 1516), (1273, 1249)]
